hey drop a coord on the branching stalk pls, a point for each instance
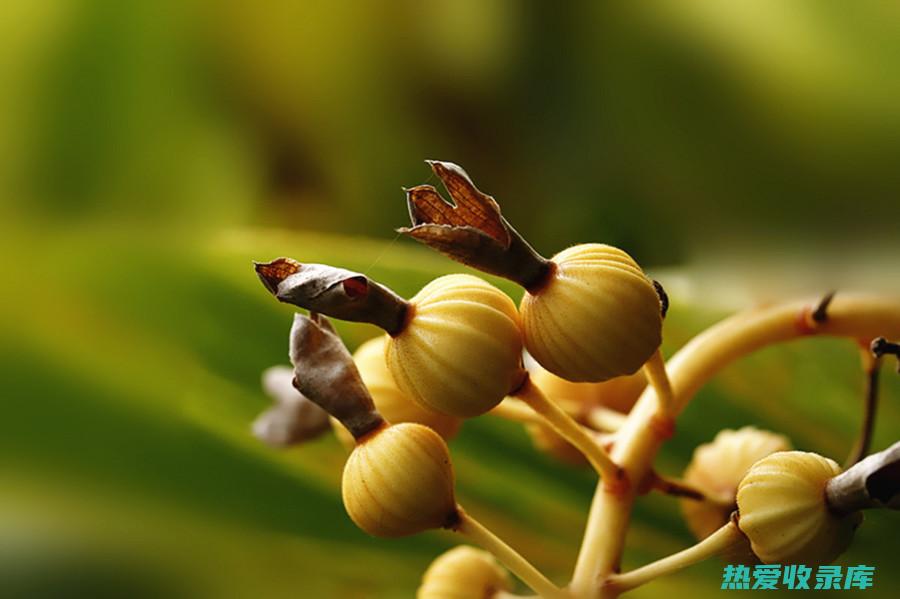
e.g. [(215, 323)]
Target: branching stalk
[(572, 432), (509, 557), (717, 543)]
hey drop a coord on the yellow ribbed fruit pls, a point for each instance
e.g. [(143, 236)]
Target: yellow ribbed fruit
[(597, 317), (618, 394), (717, 469), (460, 352), (398, 481), (782, 508), (464, 573), (394, 405)]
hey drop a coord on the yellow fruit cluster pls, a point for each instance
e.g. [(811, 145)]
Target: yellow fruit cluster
[(595, 390)]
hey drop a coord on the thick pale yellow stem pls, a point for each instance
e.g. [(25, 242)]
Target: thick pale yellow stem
[(638, 440), (718, 542), (571, 431), (515, 409), (655, 370), (509, 557), (604, 419)]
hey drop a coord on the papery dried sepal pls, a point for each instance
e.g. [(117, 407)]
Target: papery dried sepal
[(294, 418), (336, 292), (325, 373), (872, 483), (472, 230)]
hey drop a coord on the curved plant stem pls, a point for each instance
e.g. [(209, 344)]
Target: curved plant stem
[(871, 365), (638, 441), (572, 432), (509, 557), (605, 419), (655, 370), (718, 542), (677, 488), (515, 410)]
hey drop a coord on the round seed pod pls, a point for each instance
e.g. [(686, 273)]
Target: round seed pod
[(782, 508), (717, 469), (391, 402), (460, 350), (398, 481), (463, 573), (618, 394), (596, 317)]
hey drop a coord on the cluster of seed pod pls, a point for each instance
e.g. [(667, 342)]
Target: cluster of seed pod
[(590, 319)]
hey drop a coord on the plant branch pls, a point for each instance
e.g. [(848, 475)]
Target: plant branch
[(675, 487), (572, 432), (509, 557), (655, 370), (516, 410), (604, 419), (715, 544), (871, 366)]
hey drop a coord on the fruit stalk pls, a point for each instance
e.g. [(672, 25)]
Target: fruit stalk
[(717, 543), (509, 557), (572, 432)]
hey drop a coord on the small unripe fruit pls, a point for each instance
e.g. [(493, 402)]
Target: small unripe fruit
[(782, 508), (464, 573), (398, 481), (394, 405), (717, 469), (618, 394), (596, 317), (460, 351)]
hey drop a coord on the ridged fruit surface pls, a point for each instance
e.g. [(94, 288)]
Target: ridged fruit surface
[(782, 508), (393, 404), (464, 573), (398, 481), (717, 469), (598, 317), (461, 351)]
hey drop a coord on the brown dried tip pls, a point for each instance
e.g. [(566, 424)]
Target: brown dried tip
[(273, 273), (325, 373), (294, 418), (872, 483), (882, 347), (333, 291), (472, 230)]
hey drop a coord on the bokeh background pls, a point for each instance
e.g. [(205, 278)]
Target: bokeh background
[(744, 151)]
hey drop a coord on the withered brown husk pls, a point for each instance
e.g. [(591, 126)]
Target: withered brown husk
[(471, 230), (294, 418), (324, 372), (872, 483), (336, 292)]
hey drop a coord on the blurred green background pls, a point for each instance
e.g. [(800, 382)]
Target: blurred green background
[(744, 151)]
